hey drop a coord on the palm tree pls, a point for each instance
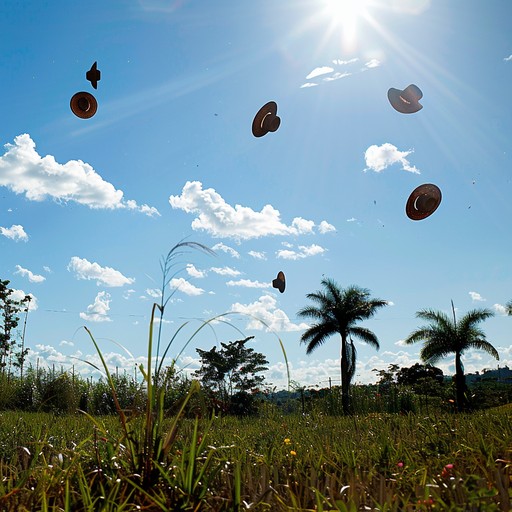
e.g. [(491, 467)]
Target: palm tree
[(445, 336), (337, 311), (509, 307)]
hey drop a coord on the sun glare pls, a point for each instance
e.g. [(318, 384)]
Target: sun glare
[(346, 14)]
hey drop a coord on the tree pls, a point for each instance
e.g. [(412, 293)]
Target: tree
[(337, 311), (10, 309), (443, 336), (509, 307), (231, 373), (417, 372)]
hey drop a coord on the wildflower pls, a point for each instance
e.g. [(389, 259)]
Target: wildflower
[(446, 472), (287, 441), (293, 453), (400, 464)]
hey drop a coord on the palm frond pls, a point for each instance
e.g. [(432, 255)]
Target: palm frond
[(365, 335), (482, 344)]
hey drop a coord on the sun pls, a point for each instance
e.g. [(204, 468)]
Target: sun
[(346, 15)]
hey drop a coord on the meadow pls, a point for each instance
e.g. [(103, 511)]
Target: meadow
[(275, 462)]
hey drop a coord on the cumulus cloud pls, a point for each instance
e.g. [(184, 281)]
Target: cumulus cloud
[(265, 309), (226, 271), (257, 255), (106, 276), (24, 171), (19, 295), (247, 283), (476, 297), (303, 252), (227, 249), (98, 310), (33, 278), (15, 232), (379, 158), (325, 227), (501, 310), (220, 219), (154, 292), (192, 271), (185, 287)]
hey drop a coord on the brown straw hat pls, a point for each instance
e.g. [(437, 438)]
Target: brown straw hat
[(83, 105), (406, 101), (93, 75), (423, 201), (266, 120), (279, 282)]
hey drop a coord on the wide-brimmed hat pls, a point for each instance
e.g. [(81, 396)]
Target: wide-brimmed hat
[(423, 201), (279, 282), (93, 75), (266, 120), (83, 105), (406, 101)]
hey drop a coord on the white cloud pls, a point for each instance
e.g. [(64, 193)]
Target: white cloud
[(185, 287), (103, 275), (372, 63), (24, 171), (127, 294), (156, 293), (247, 283), (325, 227), (508, 59), (379, 157), (220, 219), (15, 232), (319, 71), (192, 271), (336, 76), (308, 84), (19, 295), (65, 343), (98, 311), (352, 219), (227, 249), (476, 297), (48, 270), (304, 252), (340, 62), (257, 255), (501, 310), (226, 271), (265, 309), (33, 278)]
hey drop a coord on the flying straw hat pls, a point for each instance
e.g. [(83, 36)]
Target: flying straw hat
[(266, 120), (279, 282), (93, 75), (83, 105), (406, 101), (423, 201)]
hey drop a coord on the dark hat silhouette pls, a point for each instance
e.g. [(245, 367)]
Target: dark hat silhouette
[(279, 282), (423, 201), (406, 101), (266, 120), (93, 75), (83, 105)]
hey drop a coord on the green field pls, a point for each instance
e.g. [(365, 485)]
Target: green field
[(274, 462)]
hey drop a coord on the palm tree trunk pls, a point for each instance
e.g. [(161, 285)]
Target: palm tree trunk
[(345, 378), (460, 383)]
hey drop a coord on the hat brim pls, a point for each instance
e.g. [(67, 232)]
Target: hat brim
[(257, 124), (279, 282), (434, 195), (78, 111), (400, 105)]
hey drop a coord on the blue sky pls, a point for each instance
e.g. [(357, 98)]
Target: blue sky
[(89, 207)]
